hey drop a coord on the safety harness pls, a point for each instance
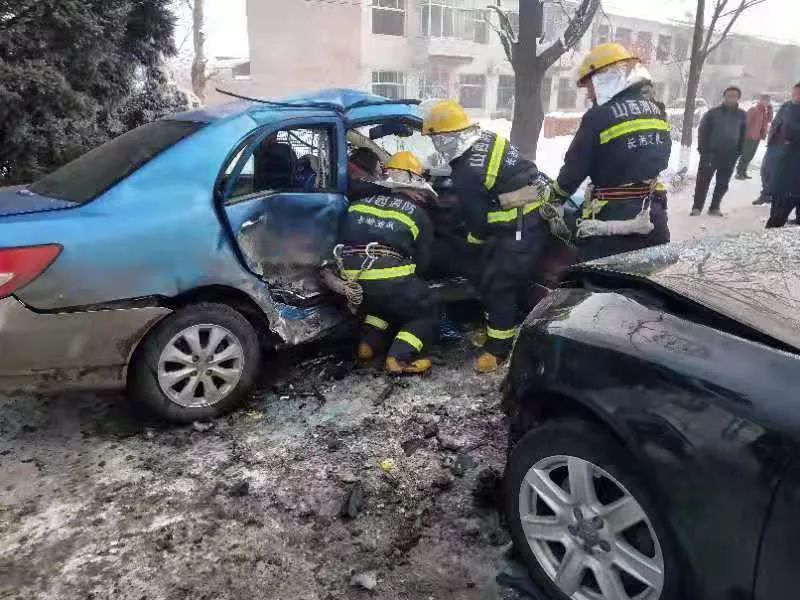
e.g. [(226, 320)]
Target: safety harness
[(345, 281), (597, 198)]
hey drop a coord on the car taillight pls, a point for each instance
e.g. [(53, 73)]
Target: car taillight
[(20, 266)]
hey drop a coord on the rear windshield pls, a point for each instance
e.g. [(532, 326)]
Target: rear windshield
[(96, 171)]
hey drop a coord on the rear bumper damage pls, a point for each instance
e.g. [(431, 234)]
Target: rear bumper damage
[(82, 349)]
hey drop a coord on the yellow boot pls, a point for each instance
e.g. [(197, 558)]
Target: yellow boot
[(365, 352), (487, 363), (415, 367)]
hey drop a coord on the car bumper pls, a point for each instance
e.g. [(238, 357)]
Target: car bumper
[(83, 349)]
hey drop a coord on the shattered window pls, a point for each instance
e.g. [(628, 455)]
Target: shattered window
[(291, 160)]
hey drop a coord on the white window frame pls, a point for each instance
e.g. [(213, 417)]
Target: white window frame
[(463, 19), (505, 92), (397, 6), (481, 86), (399, 83), (567, 85)]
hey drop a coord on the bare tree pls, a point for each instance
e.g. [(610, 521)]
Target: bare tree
[(530, 61), (724, 15), (200, 74)]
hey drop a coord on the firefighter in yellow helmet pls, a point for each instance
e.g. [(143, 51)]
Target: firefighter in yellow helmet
[(500, 192), (622, 145), (385, 239)]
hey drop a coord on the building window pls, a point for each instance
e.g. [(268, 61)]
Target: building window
[(623, 36), (602, 35), (567, 94), (681, 48), (664, 49), (434, 83), (452, 19), (644, 46), (389, 84), (472, 91), (505, 92), (547, 93), (389, 17), (513, 18)]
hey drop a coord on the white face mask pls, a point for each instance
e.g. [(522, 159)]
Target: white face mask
[(616, 79)]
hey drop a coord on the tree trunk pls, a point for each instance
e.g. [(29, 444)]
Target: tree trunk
[(200, 62), (528, 110), (528, 77), (692, 85)]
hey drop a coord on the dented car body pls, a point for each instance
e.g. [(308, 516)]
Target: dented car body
[(238, 204), (685, 358)]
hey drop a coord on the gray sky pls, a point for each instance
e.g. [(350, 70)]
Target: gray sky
[(778, 19)]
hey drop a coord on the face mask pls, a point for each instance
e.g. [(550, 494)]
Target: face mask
[(453, 145), (615, 79)]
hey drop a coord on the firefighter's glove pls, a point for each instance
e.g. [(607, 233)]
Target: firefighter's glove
[(553, 215)]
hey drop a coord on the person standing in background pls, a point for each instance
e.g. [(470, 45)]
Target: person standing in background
[(775, 148), (758, 120), (720, 140), (785, 184)]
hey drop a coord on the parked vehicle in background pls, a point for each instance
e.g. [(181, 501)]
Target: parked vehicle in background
[(655, 437), (168, 259)]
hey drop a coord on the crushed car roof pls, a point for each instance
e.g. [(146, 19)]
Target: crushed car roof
[(753, 278), (338, 100)]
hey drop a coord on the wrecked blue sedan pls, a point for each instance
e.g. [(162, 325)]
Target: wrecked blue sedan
[(168, 259)]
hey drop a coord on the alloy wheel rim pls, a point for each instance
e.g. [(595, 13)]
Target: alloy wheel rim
[(200, 366), (588, 533)]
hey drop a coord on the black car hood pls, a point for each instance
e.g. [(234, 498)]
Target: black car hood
[(753, 278)]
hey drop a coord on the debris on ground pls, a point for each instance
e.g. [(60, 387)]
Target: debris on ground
[(368, 581), (310, 487)]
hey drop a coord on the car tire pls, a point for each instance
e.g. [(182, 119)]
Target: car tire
[(553, 453), (178, 376)]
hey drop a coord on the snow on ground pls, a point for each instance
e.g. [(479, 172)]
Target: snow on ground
[(741, 215)]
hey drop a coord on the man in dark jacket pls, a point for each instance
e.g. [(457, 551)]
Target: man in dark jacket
[(758, 119), (775, 149), (720, 142), (786, 182)]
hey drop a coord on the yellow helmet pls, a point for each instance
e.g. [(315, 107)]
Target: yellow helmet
[(446, 116), (405, 161), (601, 57)]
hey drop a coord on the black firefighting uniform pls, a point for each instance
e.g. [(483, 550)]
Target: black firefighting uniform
[(624, 143), (396, 301), (492, 166)]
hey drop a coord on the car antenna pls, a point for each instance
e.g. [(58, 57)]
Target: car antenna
[(281, 104)]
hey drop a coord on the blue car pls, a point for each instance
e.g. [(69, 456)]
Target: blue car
[(168, 259)]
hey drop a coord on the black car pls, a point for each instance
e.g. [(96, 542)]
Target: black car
[(655, 425)]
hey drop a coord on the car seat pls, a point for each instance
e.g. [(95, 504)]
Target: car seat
[(274, 166), (306, 174)]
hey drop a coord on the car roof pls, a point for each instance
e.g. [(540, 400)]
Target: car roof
[(357, 106), (753, 278)]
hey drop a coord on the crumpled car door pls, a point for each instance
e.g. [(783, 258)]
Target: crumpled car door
[(284, 200)]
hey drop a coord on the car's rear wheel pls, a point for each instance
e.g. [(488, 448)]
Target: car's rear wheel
[(198, 363), (583, 522)]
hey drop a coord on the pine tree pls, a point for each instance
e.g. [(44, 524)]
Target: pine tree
[(74, 73)]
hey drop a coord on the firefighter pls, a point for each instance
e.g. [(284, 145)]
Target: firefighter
[(385, 240), (501, 194), (623, 144)]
